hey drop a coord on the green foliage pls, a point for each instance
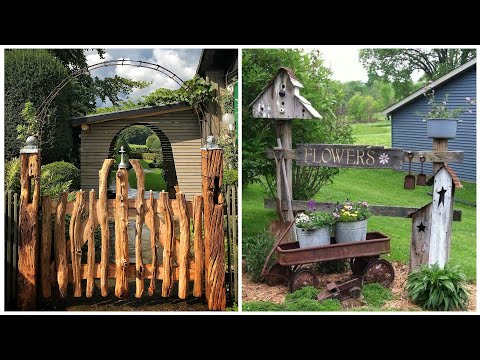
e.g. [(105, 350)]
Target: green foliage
[(262, 306), (226, 101), (122, 106), (440, 110), (151, 156), (139, 148), (136, 134), (30, 75), (438, 289), (62, 172), (314, 305), (397, 65), (233, 308), (230, 177), (153, 143), (53, 185), (376, 295), (30, 125), (153, 180), (229, 143), (259, 66), (255, 251), (306, 292), (331, 267), (12, 175), (313, 220), (194, 92), (362, 108)]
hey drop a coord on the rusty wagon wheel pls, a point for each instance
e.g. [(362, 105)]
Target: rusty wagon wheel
[(359, 265), (301, 278), (379, 271), (277, 275)]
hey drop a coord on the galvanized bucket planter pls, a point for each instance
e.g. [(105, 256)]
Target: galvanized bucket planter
[(317, 237), (442, 128), (346, 232)]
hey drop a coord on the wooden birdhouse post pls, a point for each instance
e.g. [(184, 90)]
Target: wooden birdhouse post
[(432, 224), (281, 101)]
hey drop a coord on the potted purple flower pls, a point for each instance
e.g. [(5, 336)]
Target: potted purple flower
[(313, 228), (351, 221)]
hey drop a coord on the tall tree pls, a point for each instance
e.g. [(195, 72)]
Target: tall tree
[(397, 65), (259, 66)]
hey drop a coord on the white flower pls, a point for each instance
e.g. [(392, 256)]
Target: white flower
[(383, 159), (467, 98)]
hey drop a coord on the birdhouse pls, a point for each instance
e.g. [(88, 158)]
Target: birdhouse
[(281, 99)]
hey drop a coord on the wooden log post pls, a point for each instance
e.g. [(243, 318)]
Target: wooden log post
[(151, 221), (284, 133), (121, 235), (89, 235), (169, 238), (76, 241), (184, 246), (139, 220), (439, 145), (102, 216), (198, 244), (28, 247), (61, 246), (46, 247), (216, 264)]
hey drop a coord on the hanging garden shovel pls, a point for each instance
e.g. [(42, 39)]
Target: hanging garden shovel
[(421, 178), (409, 179)]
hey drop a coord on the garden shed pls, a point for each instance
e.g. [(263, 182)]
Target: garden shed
[(177, 127), (409, 132)]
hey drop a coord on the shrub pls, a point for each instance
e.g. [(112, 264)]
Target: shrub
[(149, 156), (30, 75), (262, 306), (153, 143), (136, 134), (155, 165), (331, 267), (434, 288), (376, 295), (230, 177), (134, 154), (304, 304), (256, 249), (61, 172), (307, 292), (12, 175)]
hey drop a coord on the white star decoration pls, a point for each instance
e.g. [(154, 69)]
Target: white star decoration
[(383, 159)]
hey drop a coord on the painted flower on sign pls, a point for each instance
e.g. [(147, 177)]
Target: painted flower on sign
[(383, 158)]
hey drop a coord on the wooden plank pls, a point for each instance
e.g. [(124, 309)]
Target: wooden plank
[(442, 209), (76, 241), (349, 156), (167, 284), (102, 216), (140, 218), (46, 247), (15, 244), (150, 221), (8, 243), (121, 235), (440, 145), (198, 245), (435, 156), (184, 246), (61, 246), (89, 235), (378, 210), (28, 223), (421, 233), (206, 155)]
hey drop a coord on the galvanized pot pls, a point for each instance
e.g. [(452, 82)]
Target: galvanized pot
[(350, 231), (316, 237)]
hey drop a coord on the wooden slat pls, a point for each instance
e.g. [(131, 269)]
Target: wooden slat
[(102, 216), (89, 235), (8, 241), (150, 221), (184, 246), (140, 218), (28, 249), (121, 235), (60, 245), (15, 243), (379, 210), (216, 270), (167, 284), (76, 240), (420, 242), (198, 244), (46, 247)]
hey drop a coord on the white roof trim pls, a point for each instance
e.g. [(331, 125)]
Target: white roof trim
[(308, 106), (433, 85)]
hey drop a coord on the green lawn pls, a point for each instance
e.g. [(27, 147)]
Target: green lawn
[(153, 178), (378, 133), (137, 147), (380, 187)]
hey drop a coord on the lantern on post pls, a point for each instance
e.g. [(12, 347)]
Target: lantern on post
[(281, 101)]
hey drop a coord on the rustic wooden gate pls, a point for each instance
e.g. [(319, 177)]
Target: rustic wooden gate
[(191, 234)]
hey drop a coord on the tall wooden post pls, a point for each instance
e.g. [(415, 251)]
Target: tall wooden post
[(28, 244), (284, 133), (439, 145), (212, 175)]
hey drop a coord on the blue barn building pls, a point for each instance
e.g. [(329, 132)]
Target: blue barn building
[(409, 132)]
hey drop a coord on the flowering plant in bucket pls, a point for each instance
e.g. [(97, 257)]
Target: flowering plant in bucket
[(351, 211), (311, 220), (440, 109)]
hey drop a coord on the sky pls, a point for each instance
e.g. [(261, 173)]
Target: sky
[(182, 62)]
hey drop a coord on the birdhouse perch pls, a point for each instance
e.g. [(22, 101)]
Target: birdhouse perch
[(281, 99)]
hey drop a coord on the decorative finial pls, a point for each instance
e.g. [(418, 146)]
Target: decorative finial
[(122, 164), (31, 145)]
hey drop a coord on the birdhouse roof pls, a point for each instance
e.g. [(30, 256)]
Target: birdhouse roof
[(294, 80), (455, 179)]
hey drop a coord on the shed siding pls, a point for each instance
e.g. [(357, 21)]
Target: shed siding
[(409, 132), (182, 129)]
